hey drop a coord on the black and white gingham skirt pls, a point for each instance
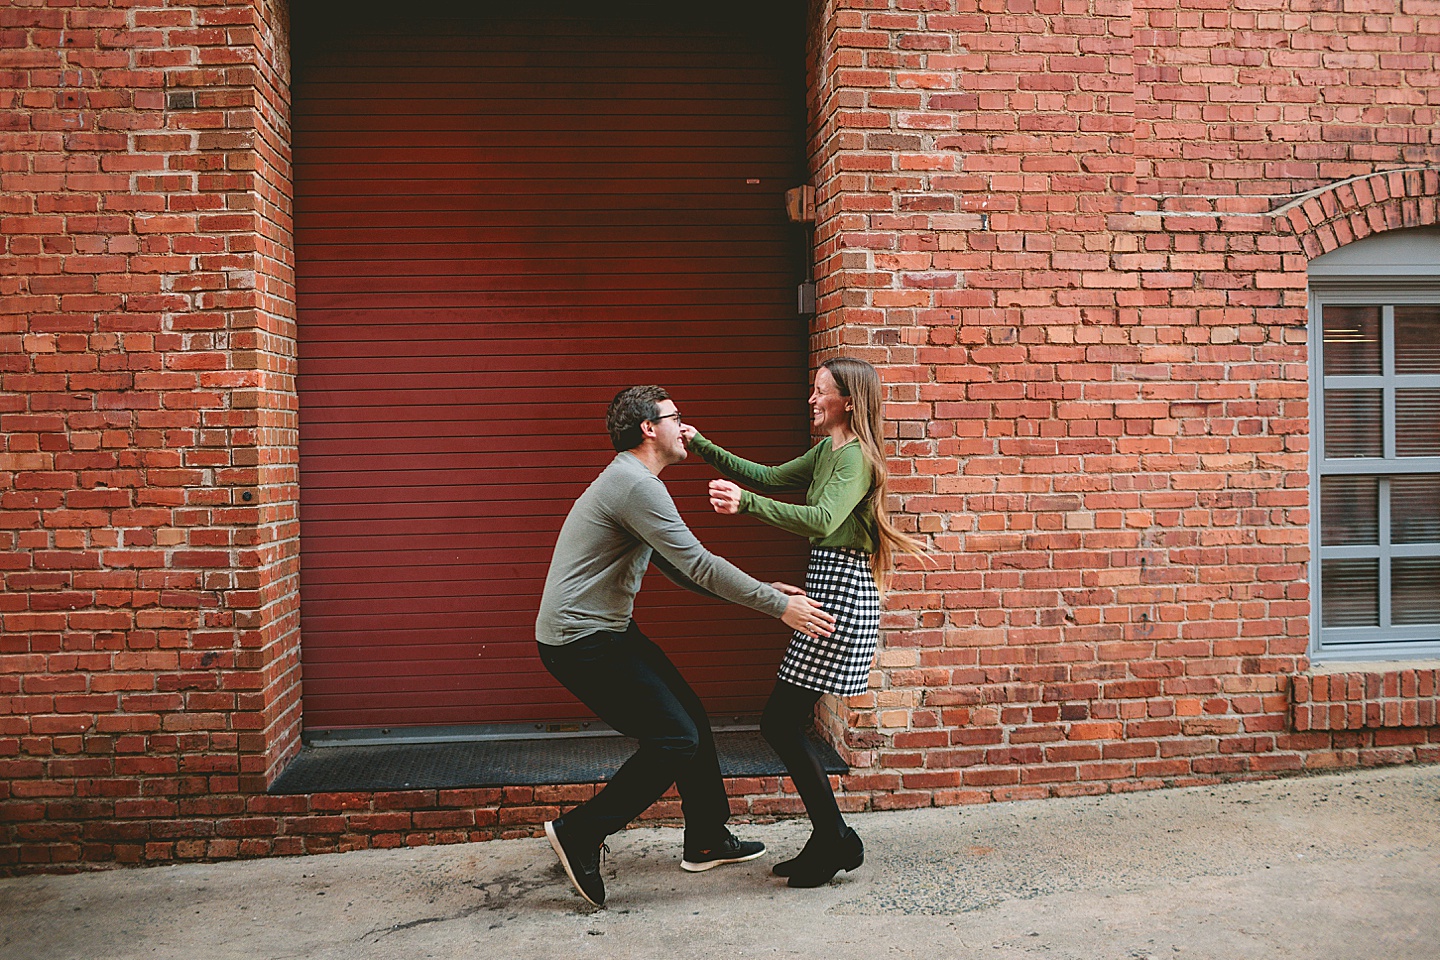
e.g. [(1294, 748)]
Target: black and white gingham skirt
[(839, 579)]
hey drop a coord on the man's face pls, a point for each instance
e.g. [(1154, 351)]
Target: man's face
[(668, 440)]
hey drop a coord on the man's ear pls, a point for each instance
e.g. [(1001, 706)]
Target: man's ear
[(647, 429)]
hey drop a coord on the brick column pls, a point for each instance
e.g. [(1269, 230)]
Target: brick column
[(973, 168), (147, 476)]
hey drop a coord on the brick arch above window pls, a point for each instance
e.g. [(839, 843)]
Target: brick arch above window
[(1348, 210)]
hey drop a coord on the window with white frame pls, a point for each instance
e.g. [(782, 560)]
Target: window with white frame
[(1375, 432)]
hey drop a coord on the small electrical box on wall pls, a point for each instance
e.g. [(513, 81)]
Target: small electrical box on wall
[(806, 298), (800, 204), (800, 208)]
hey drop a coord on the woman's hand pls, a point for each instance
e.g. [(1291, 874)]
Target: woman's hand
[(724, 496), (808, 617), (688, 433), (789, 590)]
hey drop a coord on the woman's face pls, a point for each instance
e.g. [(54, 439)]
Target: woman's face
[(828, 407)]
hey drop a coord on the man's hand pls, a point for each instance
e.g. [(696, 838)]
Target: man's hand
[(808, 617), (790, 590), (724, 496)]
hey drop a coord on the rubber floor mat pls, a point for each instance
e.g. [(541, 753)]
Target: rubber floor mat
[(504, 763)]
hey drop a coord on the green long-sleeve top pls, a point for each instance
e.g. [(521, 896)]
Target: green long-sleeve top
[(836, 482)]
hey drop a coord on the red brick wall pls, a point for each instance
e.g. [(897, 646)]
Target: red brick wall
[(268, 632), (1072, 233), (1101, 412), (147, 473)]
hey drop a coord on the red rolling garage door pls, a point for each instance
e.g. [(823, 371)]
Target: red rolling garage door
[(501, 221)]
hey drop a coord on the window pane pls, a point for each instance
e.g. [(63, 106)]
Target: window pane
[(1349, 510), (1417, 423), (1417, 339), (1352, 341), (1352, 424), (1414, 509), (1415, 590), (1350, 593)]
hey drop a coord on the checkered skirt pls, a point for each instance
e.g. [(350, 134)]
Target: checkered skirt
[(839, 579)]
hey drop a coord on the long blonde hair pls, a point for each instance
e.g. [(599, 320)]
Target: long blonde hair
[(859, 382)]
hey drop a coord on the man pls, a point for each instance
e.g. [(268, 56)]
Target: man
[(621, 524)]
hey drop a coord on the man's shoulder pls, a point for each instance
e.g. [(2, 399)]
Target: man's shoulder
[(626, 479)]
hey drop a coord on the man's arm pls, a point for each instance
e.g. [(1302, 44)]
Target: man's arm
[(650, 514), (678, 578)]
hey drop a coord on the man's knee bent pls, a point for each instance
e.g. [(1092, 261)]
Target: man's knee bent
[(677, 748)]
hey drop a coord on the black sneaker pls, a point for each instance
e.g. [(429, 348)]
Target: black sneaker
[(728, 850), (581, 861)]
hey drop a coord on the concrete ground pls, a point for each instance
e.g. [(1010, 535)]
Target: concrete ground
[(1343, 866)]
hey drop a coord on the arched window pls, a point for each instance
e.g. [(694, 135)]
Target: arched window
[(1375, 442)]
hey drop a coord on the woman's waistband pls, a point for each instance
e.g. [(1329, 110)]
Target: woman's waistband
[(851, 553)]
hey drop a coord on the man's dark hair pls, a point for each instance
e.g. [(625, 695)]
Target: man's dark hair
[(630, 408)]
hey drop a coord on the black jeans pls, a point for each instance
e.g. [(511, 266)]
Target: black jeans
[(789, 715), (631, 685)]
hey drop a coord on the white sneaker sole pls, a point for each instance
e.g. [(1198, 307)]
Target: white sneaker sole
[(711, 864), (565, 862)]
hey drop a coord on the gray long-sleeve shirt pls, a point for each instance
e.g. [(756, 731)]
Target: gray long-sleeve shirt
[(623, 521)]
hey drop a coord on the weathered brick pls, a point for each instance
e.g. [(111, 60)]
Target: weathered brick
[(1074, 246)]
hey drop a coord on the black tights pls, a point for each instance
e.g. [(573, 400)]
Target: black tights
[(785, 725)]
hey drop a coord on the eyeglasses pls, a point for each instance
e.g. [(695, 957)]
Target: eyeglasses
[(669, 416)]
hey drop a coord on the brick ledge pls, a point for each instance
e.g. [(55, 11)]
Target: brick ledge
[(1359, 696)]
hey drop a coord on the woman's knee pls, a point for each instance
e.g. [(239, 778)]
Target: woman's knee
[(782, 738), (781, 727)]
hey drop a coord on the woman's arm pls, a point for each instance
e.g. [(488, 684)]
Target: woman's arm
[(837, 499), (793, 475)]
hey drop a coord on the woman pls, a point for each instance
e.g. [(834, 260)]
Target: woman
[(852, 545)]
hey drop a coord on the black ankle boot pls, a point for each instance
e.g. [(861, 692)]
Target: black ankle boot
[(819, 868), (786, 868)]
